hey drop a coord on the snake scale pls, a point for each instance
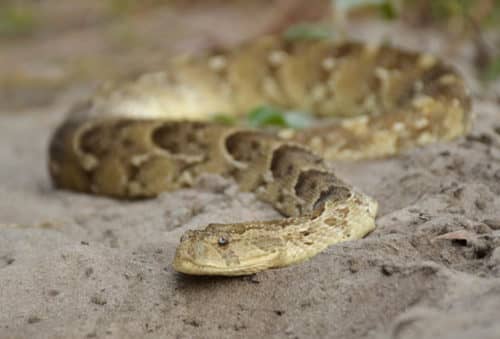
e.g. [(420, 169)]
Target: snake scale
[(155, 134)]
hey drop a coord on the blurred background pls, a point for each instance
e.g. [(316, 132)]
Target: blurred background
[(53, 50)]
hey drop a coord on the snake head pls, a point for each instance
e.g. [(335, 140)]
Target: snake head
[(227, 250)]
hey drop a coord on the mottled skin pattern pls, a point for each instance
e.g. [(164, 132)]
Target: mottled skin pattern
[(154, 135)]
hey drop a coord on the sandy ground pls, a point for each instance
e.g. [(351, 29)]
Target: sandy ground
[(80, 266)]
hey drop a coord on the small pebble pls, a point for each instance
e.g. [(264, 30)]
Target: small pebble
[(33, 319), (493, 223), (98, 300), (388, 270)]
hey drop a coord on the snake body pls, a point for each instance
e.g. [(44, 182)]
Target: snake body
[(154, 134)]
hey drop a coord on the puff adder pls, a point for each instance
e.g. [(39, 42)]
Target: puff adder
[(155, 134)]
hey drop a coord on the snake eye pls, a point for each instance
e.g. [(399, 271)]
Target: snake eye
[(222, 241)]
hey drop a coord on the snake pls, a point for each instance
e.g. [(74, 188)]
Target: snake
[(138, 138)]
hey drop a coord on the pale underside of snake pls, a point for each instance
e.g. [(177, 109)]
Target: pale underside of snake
[(154, 134)]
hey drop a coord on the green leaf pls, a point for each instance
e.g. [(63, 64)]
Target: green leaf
[(266, 116), (224, 119), (298, 120), (307, 31), (270, 116)]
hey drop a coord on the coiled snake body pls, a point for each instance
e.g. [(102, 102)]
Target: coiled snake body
[(155, 134)]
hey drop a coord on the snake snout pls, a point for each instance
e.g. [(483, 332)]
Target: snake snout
[(197, 256)]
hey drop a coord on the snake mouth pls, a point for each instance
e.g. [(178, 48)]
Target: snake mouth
[(191, 268), (185, 262)]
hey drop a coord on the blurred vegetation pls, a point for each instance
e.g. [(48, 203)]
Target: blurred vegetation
[(491, 70), (16, 20), (272, 116), (463, 18), (224, 119), (119, 24), (22, 18), (307, 31), (454, 15), (129, 7), (268, 116), (19, 17)]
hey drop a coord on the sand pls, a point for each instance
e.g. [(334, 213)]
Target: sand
[(79, 266)]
